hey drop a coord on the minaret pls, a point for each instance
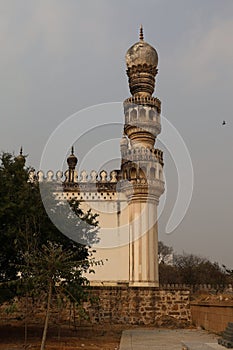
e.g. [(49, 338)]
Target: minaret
[(142, 164)]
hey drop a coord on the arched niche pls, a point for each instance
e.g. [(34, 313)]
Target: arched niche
[(142, 173), (142, 114), (133, 114), (151, 114), (152, 173), (133, 173)]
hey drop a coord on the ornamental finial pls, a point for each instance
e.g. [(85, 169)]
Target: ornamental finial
[(21, 157), (141, 36), (72, 160)]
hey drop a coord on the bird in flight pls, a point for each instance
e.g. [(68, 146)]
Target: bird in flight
[(223, 122)]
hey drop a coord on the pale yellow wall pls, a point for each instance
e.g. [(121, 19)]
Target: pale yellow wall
[(116, 259), (112, 252)]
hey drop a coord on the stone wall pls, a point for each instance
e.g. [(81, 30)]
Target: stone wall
[(212, 317), (139, 305), (114, 305)]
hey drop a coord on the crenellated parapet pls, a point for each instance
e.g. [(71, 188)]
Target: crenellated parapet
[(101, 185), (50, 176), (143, 101), (81, 182), (83, 177), (93, 182), (143, 154)]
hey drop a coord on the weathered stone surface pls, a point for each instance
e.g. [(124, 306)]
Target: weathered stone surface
[(147, 306), (116, 305)]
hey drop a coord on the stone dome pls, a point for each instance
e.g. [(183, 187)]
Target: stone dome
[(141, 53), (141, 61)]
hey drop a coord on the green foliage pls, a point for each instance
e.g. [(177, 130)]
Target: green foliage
[(26, 228), (53, 264), (53, 271), (36, 258), (13, 179)]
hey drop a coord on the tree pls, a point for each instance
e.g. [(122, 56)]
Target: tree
[(168, 274), (55, 272), (47, 259), (13, 184), (189, 269), (194, 269), (24, 221), (229, 273), (164, 252)]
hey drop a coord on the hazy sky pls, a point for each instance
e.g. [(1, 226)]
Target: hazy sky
[(58, 57)]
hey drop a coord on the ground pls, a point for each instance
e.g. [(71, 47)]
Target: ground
[(88, 338)]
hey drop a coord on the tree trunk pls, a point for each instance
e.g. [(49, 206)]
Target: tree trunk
[(74, 313), (42, 347), (26, 323), (59, 322)]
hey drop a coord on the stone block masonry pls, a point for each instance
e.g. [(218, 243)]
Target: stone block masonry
[(139, 306), (111, 305)]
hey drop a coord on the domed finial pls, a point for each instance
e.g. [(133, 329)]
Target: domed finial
[(21, 158), (142, 61), (72, 159), (141, 36)]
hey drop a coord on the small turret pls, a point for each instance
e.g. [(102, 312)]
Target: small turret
[(21, 158), (72, 161)]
